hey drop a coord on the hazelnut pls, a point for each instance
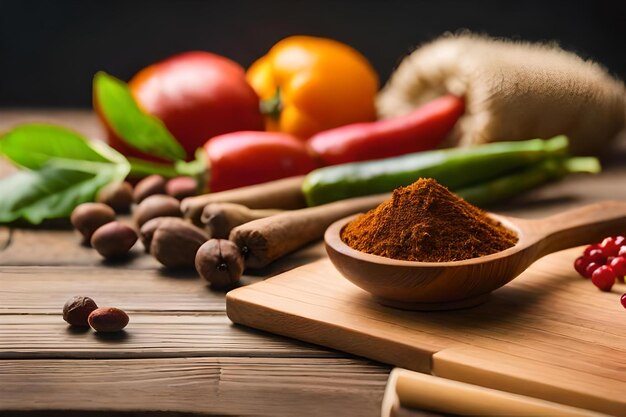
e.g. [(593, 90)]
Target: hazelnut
[(151, 185), (77, 309), (117, 195), (181, 187), (220, 262), (156, 206), (88, 217), (146, 233), (176, 242), (113, 240), (108, 319)]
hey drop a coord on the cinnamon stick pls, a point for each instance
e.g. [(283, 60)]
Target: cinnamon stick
[(283, 194), (265, 240)]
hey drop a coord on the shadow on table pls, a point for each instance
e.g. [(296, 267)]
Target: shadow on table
[(103, 413)]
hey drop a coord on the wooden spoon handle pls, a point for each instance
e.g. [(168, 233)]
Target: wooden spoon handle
[(583, 225)]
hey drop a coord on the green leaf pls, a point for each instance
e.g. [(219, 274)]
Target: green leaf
[(63, 169), (51, 192), (140, 130), (33, 145)]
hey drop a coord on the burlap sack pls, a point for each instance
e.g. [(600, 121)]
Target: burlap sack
[(513, 91)]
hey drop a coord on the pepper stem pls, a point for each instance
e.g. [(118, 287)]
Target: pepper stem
[(272, 106)]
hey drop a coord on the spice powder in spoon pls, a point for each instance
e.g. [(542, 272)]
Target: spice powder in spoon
[(425, 222)]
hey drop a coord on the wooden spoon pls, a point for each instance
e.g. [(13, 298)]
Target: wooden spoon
[(448, 285)]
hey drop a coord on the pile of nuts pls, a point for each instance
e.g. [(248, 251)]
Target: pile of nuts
[(154, 196), (157, 217), (84, 312), (158, 223)]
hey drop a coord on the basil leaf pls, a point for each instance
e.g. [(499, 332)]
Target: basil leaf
[(51, 192), (63, 170), (140, 130), (33, 145)]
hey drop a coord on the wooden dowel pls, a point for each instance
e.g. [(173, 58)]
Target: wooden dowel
[(414, 390)]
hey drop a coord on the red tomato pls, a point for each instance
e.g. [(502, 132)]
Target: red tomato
[(245, 158), (197, 95)]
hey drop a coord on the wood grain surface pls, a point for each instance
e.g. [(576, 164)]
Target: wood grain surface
[(180, 355), (208, 385), (549, 333)]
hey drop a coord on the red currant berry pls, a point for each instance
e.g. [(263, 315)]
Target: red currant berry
[(609, 246), (580, 265), (591, 267), (622, 251), (603, 278), (623, 300), (619, 240), (619, 267), (590, 248), (597, 256)]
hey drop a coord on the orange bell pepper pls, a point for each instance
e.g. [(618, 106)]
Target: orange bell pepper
[(310, 84)]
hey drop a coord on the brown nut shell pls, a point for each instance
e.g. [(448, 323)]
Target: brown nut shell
[(113, 240), (146, 233), (220, 262), (77, 309), (108, 319), (175, 243), (156, 206), (182, 187), (117, 195), (88, 217), (151, 185)]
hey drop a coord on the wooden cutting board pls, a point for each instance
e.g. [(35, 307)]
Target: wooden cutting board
[(548, 334)]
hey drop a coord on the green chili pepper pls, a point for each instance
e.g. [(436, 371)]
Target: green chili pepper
[(455, 168), (527, 178)]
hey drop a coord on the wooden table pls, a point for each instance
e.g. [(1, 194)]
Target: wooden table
[(180, 354)]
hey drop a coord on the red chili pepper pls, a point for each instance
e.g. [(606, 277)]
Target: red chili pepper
[(244, 158), (422, 129)]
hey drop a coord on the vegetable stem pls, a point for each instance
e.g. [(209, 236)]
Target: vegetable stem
[(523, 180), (141, 168), (272, 106)]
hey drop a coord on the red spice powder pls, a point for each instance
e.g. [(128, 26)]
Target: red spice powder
[(426, 222)]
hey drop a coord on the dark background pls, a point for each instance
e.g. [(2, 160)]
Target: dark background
[(49, 50)]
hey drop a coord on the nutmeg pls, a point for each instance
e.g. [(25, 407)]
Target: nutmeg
[(108, 319), (117, 195), (151, 185), (77, 309), (113, 240), (156, 206), (146, 233), (220, 218), (181, 187), (87, 217), (220, 262), (175, 243)]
